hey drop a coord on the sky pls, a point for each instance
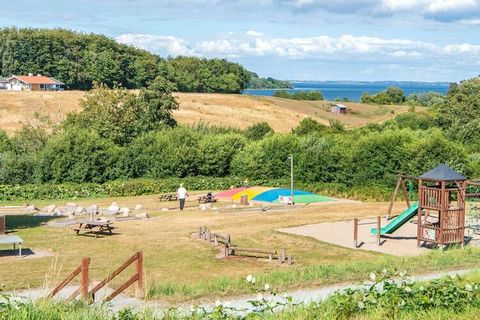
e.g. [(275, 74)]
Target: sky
[(365, 40)]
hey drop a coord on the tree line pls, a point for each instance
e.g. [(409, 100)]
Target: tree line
[(80, 60), (121, 135)]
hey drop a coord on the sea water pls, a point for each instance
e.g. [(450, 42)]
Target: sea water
[(353, 90)]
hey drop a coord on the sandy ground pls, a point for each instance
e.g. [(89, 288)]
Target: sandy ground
[(403, 242)]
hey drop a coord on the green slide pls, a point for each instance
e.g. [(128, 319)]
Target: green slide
[(398, 221)]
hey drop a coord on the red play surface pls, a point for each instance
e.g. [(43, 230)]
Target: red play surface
[(228, 194)]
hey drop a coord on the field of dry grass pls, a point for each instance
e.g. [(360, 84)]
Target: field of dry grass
[(182, 268), (238, 111)]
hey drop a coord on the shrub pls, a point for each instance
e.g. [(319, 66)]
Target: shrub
[(267, 158), (258, 131), (78, 156)]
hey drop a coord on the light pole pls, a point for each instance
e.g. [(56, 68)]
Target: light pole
[(291, 177)]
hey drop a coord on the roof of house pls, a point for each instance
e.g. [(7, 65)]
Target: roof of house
[(342, 106), (443, 172), (3, 79), (37, 80)]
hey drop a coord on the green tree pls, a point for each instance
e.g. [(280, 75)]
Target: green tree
[(258, 131)]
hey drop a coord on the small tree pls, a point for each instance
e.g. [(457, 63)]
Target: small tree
[(258, 131)]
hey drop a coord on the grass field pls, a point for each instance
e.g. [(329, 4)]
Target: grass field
[(180, 268), (238, 111)]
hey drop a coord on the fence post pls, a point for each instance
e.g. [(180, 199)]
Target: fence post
[(84, 278), (355, 232), (228, 240), (379, 223), (282, 256), (139, 269)]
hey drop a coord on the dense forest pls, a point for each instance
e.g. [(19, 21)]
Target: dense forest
[(120, 135), (79, 60), (267, 83)]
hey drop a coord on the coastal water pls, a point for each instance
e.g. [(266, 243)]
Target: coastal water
[(354, 90)]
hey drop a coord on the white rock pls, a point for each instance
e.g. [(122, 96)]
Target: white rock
[(138, 207), (108, 212), (70, 209), (113, 207), (31, 208), (143, 215), (80, 211), (49, 208), (58, 212), (125, 212), (93, 209), (164, 209)]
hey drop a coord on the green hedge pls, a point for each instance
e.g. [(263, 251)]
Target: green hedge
[(137, 187)]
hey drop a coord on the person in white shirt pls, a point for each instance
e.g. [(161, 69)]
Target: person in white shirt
[(182, 194)]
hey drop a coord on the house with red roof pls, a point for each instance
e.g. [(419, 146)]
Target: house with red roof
[(34, 83)]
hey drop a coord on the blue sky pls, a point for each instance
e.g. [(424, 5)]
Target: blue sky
[(422, 40)]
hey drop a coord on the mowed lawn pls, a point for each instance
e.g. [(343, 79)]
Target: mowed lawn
[(180, 268)]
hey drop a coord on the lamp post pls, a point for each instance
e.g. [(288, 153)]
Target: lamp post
[(290, 157)]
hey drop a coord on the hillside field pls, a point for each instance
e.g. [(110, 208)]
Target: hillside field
[(238, 111)]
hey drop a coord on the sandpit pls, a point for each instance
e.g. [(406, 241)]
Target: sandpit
[(403, 242)]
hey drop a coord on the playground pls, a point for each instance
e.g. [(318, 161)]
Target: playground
[(178, 266)]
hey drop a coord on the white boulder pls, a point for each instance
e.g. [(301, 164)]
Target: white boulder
[(125, 212), (143, 215), (138, 207), (49, 209), (93, 209)]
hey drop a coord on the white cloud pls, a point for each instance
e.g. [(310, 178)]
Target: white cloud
[(170, 44), (253, 33), (346, 46)]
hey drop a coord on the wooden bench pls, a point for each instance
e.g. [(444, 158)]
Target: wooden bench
[(206, 199), (168, 197), (95, 227)]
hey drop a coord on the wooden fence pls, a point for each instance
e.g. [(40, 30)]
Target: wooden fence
[(232, 250), (89, 295)]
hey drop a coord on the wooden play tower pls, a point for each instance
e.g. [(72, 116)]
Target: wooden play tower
[(441, 207)]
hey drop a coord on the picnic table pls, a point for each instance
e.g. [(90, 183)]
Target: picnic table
[(168, 197), (13, 240), (206, 199), (95, 226)]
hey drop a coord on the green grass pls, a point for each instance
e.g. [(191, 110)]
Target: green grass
[(179, 268)]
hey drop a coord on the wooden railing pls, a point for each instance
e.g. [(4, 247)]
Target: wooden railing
[(137, 277), (89, 296), (430, 198), (82, 269)]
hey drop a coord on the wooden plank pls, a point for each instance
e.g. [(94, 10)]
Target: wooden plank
[(74, 294), (254, 250), (394, 196), (66, 281), (113, 274), (84, 278), (139, 268), (355, 232), (120, 289)]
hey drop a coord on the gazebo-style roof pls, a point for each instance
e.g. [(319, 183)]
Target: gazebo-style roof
[(443, 173)]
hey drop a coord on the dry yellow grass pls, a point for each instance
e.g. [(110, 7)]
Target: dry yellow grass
[(237, 111)]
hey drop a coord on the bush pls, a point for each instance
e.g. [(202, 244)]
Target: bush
[(258, 131), (299, 95), (78, 156), (267, 158), (309, 125)]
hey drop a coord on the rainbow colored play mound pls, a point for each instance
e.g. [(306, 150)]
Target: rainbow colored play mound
[(266, 194)]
